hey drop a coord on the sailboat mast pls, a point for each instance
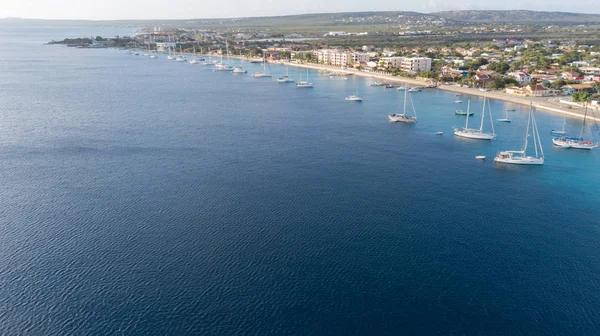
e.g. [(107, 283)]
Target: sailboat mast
[(405, 96), (491, 119), (527, 131), (482, 116), (468, 109), (537, 133), (583, 125)]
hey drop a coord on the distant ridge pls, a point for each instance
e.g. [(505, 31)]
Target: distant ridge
[(518, 16), (345, 19)]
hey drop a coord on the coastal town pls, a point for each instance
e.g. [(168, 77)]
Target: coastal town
[(566, 73)]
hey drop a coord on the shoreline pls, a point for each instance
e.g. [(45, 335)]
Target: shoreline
[(540, 103)]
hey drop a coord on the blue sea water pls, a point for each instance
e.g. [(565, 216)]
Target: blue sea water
[(145, 196)]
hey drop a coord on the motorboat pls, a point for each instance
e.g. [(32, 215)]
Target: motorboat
[(354, 98), (480, 157)]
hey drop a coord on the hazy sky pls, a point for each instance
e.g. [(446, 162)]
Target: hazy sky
[(187, 9)]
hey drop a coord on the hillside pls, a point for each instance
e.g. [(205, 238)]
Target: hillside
[(518, 16), (356, 20)]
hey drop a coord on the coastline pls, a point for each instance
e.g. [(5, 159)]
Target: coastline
[(541, 103)]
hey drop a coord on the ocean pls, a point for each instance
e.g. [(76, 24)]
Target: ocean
[(145, 196)]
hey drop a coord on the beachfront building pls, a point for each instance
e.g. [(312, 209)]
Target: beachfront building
[(532, 91), (339, 58), (521, 77), (414, 64), (407, 64)]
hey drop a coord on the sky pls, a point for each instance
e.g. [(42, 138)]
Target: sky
[(190, 9)]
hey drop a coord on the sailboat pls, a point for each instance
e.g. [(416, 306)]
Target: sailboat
[(505, 119), (171, 56), (304, 84), (223, 66), (395, 117), (463, 113), (286, 78), (521, 157), (180, 58), (264, 73), (562, 132), (239, 69), (473, 133), (194, 60), (577, 143)]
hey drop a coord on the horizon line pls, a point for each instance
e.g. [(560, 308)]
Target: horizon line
[(300, 14)]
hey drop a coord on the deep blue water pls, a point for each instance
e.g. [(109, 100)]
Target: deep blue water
[(146, 196)]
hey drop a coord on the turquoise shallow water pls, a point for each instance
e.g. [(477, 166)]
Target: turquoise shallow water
[(147, 196)]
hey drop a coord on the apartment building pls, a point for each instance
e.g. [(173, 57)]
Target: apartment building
[(339, 58), (407, 64)]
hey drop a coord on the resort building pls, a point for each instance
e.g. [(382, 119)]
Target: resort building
[(339, 58), (408, 64), (532, 91)]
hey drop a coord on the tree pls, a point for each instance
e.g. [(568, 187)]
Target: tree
[(580, 96), (557, 85), (501, 67)]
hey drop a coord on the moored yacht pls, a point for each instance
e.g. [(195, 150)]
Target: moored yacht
[(520, 157), (472, 133), (397, 117), (575, 142), (353, 98), (286, 78), (304, 84)]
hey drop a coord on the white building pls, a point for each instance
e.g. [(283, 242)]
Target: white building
[(416, 64), (408, 64), (339, 58), (520, 76)]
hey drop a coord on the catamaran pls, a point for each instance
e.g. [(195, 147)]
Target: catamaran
[(520, 157), (264, 73), (473, 133), (395, 117), (286, 78), (304, 84), (572, 142)]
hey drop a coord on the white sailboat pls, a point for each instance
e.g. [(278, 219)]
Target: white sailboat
[(194, 60), (180, 58), (520, 157), (286, 78), (576, 143), (171, 55), (264, 73), (395, 117), (220, 66), (479, 134), (304, 84), (239, 69)]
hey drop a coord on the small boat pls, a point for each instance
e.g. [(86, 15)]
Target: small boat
[(439, 133), (480, 157), (558, 132), (154, 56), (353, 98), (505, 119), (511, 109), (377, 84), (136, 53), (458, 94), (239, 70), (458, 101), (401, 88), (415, 89), (463, 113), (389, 86)]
